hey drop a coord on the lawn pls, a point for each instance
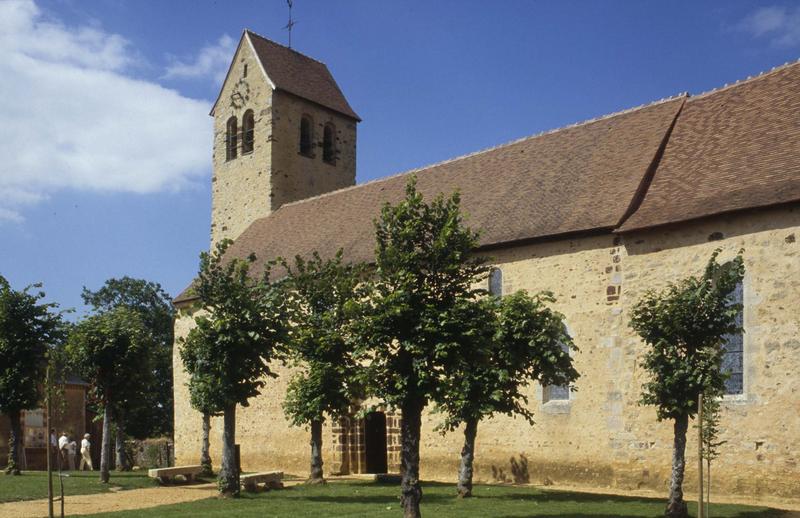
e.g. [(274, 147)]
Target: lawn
[(32, 485), (351, 499)]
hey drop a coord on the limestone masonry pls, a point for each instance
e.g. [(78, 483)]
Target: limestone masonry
[(597, 213)]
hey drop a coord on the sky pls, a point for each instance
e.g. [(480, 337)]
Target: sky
[(105, 138)]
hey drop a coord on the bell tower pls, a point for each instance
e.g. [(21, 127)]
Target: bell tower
[(283, 131)]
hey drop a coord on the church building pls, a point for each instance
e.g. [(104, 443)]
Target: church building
[(597, 212)]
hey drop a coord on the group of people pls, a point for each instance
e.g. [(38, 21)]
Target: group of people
[(66, 450)]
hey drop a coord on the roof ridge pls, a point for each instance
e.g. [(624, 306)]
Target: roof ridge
[(488, 149), (254, 33), (747, 80)]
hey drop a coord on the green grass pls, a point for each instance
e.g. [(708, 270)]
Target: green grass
[(351, 499), (32, 485)]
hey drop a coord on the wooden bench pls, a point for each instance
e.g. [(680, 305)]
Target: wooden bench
[(270, 479), (165, 475)]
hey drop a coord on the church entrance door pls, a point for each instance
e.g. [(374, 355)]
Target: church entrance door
[(375, 442)]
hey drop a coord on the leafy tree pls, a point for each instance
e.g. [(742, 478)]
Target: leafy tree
[(239, 331), (684, 327), (29, 329), (322, 298), (149, 411), (509, 343), (410, 330), (106, 349)]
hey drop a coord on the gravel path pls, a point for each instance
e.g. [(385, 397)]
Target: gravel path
[(113, 501)]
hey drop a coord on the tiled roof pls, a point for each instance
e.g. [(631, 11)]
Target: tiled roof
[(734, 148), (300, 75), (684, 158)]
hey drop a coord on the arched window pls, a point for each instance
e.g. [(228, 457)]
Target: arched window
[(496, 282), (231, 138), (248, 136), (306, 129), (329, 144), (557, 392)]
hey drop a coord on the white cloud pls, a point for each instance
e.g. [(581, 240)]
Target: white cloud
[(75, 118), (211, 62), (780, 24)]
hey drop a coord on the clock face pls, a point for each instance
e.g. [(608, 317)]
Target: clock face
[(240, 95)]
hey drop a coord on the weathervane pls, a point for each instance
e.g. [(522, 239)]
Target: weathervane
[(291, 22)]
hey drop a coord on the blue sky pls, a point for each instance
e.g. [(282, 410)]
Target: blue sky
[(105, 139)]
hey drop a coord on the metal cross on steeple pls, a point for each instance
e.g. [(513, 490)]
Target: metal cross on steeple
[(291, 23)]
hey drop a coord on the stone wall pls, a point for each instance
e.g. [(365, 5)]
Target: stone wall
[(601, 437)]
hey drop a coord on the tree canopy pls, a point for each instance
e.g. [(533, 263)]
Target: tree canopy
[(684, 327), (148, 412), (29, 330)]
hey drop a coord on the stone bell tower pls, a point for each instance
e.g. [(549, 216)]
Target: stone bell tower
[(283, 131)]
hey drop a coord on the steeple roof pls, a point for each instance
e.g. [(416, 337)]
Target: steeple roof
[(298, 74)]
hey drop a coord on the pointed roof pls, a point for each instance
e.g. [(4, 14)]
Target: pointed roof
[(298, 74)]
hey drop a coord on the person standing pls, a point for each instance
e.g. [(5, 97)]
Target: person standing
[(72, 449), (86, 453), (63, 443)]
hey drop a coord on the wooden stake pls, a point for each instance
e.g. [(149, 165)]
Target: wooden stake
[(49, 444), (700, 509)]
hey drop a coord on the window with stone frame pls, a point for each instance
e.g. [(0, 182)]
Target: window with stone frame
[(231, 138), (329, 143), (248, 132), (496, 282), (733, 357), (306, 135), (556, 392)]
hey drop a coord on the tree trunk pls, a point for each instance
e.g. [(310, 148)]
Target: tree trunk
[(467, 458), (119, 444), (409, 459), (14, 443), (316, 476), (708, 487), (229, 473), (676, 507), (205, 456), (105, 446)]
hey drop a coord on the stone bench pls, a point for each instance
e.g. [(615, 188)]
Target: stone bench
[(270, 479), (165, 475)]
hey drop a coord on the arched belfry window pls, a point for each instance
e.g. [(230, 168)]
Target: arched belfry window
[(248, 135), (306, 129), (496, 282), (329, 144), (231, 138)]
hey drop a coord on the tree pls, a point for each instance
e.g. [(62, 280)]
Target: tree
[(410, 331), (322, 295), (240, 329), (106, 349), (29, 329), (684, 327), (709, 436), (509, 343), (149, 411)]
